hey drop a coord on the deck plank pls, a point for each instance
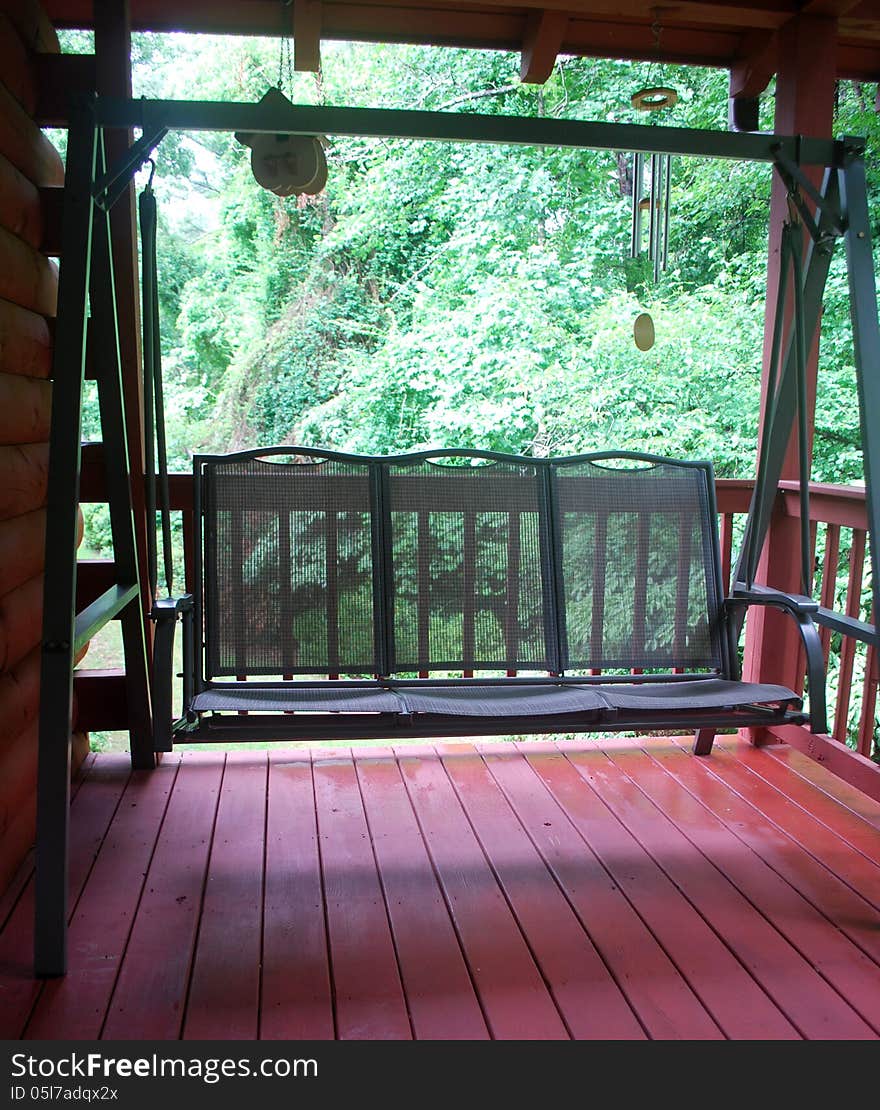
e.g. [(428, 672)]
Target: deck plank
[(366, 978), (727, 990), (75, 1006), (25, 870), (850, 827), (149, 1000), (224, 993), (848, 863), (586, 994), (439, 992), (513, 993), (814, 1007), (822, 888), (853, 974), (823, 780), (644, 964), (91, 813), (589, 888), (296, 1001)]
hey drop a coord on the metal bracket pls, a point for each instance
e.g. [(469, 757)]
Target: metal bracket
[(111, 185), (797, 183)]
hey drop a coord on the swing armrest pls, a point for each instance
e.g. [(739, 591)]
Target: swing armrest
[(165, 614), (801, 608), (766, 595)]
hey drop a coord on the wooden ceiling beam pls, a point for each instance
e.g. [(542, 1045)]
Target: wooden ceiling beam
[(542, 41), (307, 36), (687, 37), (262, 16), (755, 65)]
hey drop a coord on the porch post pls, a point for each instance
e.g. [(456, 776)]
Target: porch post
[(804, 106)]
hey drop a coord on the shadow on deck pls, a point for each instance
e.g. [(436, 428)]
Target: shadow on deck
[(610, 889)]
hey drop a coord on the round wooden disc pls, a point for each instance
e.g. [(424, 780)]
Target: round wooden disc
[(643, 331), (652, 99)]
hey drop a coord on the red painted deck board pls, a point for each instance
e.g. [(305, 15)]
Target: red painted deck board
[(819, 840), (513, 993), (802, 767), (439, 992), (224, 992), (614, 888), (150, 996), (296, 1001), (851, 828), (715, 974), (665, 1002), (91, 813), (808, 1001), (366, 978), (589, 1000), (820, 886), (100, 928), (853, 974)]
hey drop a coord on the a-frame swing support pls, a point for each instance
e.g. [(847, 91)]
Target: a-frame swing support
[(86, 288)]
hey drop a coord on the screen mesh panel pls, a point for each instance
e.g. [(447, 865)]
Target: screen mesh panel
[(638, 578), (468, 546), (288, 559)]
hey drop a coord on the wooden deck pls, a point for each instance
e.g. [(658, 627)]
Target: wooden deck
[(591, 889)]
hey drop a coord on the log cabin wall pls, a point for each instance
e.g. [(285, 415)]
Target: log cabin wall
[(31, 172)]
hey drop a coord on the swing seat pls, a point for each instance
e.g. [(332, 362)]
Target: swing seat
[(462, 593)]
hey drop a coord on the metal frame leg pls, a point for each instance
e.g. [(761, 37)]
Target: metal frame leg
[(108, 366), (866, 345), (59, 591), (703, 740)]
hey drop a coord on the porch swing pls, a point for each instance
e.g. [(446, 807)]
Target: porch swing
[(437, 593), (422, 586)]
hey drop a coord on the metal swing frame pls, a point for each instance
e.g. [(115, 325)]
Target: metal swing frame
[(87, 287)]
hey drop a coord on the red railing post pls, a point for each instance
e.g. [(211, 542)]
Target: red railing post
[(804, 106)]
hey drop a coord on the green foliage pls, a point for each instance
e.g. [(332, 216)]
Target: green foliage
[(466, 295)]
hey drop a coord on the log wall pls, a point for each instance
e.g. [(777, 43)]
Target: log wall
[(30, 169)]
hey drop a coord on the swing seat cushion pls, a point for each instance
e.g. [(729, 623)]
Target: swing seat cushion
[(600, 703)]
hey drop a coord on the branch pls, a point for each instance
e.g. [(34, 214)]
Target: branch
[(478, 96)]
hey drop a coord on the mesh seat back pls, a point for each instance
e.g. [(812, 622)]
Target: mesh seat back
[(288, 567), (637, 562), (469, 549)]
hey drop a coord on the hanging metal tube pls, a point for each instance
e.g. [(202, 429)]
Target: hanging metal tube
[(667, 194), (635, 248), (652, 207)]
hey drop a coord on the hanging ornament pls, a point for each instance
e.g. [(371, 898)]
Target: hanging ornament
[(652, 177), (287, 165), (643, 331)]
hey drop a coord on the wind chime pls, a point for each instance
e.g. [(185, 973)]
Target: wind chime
[(651, 188), (652, 177), (286, 165)]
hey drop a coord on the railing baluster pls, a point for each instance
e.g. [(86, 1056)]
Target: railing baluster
[(468, 586), (637, 647), (332, 557), (848, 644), (423, 601), (726, 549), (829, 580), (682, 584), (597, 628), (511, 611)]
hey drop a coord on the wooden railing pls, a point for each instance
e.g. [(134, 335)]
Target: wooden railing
[(839, 522), (839, 529)]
